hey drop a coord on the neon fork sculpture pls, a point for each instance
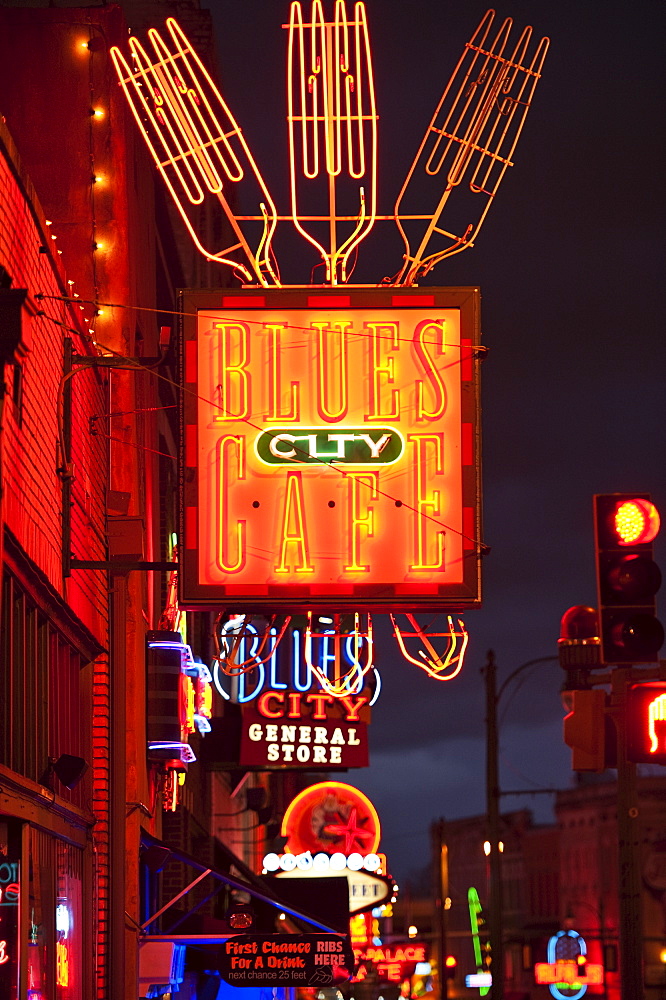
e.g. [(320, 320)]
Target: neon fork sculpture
[(227, 645), (332, 118), (434, 664), (195, 142), (470, 141), (343, 683), (332, 124)]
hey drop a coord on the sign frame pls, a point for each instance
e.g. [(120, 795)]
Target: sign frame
[(463, 495), (289, 960)]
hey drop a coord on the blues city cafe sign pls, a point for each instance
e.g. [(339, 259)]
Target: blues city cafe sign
[(321, 960), (330, 456)]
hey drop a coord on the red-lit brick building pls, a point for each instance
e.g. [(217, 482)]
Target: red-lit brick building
[(87, 447), (90, 263)]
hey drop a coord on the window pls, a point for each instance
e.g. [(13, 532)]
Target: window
[(42, 714)]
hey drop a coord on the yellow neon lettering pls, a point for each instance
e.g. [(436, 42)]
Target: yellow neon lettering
[(437, 386), (327, 376), (62, 964), (234, 379), (293, 409), (427, 504), (378, 371), (227, 563), (294, 528), (205, 700), (360, 519)]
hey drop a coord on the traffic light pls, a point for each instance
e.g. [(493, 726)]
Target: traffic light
[(646, 723), (625, 526), (450, 966), (586, 731)]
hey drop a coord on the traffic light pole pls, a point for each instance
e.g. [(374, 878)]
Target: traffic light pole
[(442, 891), (495, 856), (629, 884)]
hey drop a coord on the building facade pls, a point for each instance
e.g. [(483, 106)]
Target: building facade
[(85, 425)]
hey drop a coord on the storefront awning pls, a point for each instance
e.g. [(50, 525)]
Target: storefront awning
[(251, 883)]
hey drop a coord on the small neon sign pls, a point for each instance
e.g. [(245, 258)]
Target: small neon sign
[(646, 723), (10, 891), (195, 700), (567, 972), (63, 926)]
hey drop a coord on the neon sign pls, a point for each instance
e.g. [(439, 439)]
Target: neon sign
[(284, 666), (331, 817), (393, 962), (646, 723), (567, 972), (332, 121), (475, 920), (63, 925), (9, 883), (10, 892), (193, 696), (347, 482)]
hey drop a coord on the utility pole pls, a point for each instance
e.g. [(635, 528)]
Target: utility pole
[(441, 859), (628, 828), (493, 811)]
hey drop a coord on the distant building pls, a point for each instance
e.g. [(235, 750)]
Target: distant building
[(555, 877)]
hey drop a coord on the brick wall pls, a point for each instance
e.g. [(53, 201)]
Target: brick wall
[(32, 508)]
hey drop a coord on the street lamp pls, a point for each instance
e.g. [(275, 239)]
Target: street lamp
[(493, 795)]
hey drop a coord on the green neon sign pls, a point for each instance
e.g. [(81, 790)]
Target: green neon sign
[(474, 914)]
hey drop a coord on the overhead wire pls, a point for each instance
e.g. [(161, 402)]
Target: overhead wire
[(476, 348)]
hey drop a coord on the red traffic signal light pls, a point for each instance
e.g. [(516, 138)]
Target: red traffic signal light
[(635, 521), (450, 966), (646, 723), (627, 577)]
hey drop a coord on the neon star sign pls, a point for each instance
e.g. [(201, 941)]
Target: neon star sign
[(331, 817)]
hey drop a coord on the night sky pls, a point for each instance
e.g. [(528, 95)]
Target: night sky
[(570, 265)]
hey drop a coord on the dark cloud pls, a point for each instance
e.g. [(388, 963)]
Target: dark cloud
[(570, 265)]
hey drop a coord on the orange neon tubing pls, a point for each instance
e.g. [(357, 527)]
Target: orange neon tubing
[(324, 98), (434, 665), (185, 136), (340, 688)]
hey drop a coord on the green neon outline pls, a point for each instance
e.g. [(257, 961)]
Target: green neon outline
[(474, 911)]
